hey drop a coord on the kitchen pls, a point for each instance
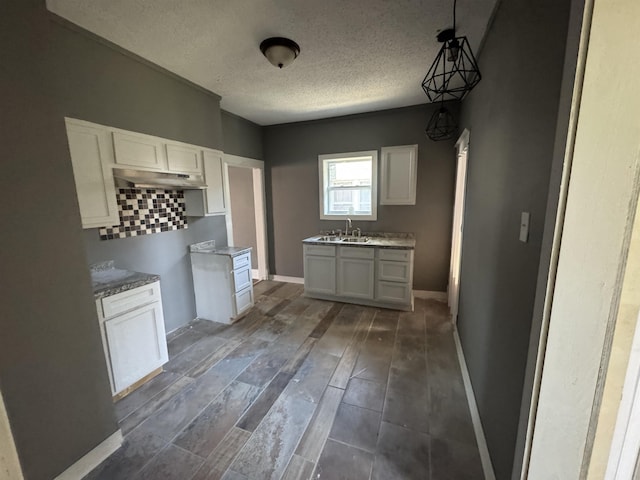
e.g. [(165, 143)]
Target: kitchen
[(63, 70)]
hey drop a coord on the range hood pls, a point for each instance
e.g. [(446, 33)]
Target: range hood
[(143, 179)]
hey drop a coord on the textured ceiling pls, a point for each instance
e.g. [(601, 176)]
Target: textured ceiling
[(356, 55)]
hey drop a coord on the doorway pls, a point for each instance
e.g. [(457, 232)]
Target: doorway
[(246, 216), (462, 153)]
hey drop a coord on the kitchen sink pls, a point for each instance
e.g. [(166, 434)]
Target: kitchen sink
[(356, 239), (329, 238)]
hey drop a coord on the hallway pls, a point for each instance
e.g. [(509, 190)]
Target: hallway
[(300, 389)]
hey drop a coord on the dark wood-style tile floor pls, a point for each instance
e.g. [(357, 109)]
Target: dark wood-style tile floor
[(301, 389)]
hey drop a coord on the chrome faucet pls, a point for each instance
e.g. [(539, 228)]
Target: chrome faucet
[(348, 226)]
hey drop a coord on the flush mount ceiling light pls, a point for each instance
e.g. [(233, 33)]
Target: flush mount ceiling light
[(279, 51), (454, 72), (441, 125)]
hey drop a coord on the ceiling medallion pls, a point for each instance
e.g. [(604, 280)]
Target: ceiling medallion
[(279, 51)]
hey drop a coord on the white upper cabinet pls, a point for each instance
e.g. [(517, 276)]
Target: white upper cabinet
[(212, 160), (139, 150), (211, 201), (183, 158), (92, 159), (398, 175)]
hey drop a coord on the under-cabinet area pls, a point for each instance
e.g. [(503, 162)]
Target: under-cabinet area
[(375, 272)]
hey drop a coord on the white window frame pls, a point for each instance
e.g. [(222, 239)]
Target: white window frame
[(323, 183)]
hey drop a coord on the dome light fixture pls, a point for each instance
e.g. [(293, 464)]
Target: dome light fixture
[(441, 125), (455, 71), (279, 51)]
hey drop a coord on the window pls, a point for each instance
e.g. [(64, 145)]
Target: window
[(348, 185)]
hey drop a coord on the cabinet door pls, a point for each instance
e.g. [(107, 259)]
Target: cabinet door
[(91, 158), (320, 274), (355, 278), (137, 344), (183, 159), (214, 194), (138, 150), (398, 176)]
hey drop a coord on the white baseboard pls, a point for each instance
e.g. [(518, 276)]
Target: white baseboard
[(426, 294), (255, 274), (92, 459), (284, 278), (487, 466)]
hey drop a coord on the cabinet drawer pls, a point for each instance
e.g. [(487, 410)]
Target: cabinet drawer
[(394, 255), (241, 260), (394, 271), (393, 292), (356, 252), (242, 278), (130, 299), (244, 300), (322, 250)]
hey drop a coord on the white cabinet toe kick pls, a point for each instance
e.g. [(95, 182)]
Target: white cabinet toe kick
[(374, 276)]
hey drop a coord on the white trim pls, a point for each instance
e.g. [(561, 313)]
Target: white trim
[(259, 198), (485, 458), (255, 274), (9, 461), (284, 278), (457, 225), (92, 459), (626, 437), (430, 295)]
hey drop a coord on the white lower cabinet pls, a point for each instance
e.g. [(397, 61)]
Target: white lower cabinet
[(368, 275), (355, 278), (222, 284), (133, 334), (356, 272), (134, 342), (320, 269)]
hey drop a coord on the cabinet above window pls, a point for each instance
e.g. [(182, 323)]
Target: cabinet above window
[(399, 173)]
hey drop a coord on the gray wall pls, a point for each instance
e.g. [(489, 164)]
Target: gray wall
[(291, 155), (241, 137), (512, 117), (52, 367), (243, 211)]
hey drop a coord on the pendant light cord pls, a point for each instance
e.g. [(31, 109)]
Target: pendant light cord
[(454, 16)]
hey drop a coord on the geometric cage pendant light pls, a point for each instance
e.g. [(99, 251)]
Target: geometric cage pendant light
[(454, 71), (441, 125)]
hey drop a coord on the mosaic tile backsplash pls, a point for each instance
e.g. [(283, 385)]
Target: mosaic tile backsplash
[(145, 211)]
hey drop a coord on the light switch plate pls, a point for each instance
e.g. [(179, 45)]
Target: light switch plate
[(524, 227)]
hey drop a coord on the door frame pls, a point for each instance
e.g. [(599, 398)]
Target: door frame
[(457, 227), (625, 445), (9, 461), (259, 202)]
